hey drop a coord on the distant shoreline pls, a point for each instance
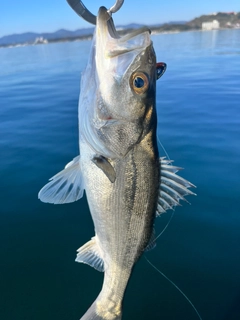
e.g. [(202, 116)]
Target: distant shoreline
[(154, 32), (213, 21)]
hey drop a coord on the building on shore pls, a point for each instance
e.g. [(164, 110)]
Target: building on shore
[(40, 40), (210, 25)]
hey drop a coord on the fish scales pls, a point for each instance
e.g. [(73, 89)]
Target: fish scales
[(125, 204), (123, 213), (119, 166)]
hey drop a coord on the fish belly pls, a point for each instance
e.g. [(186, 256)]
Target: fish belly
[(123, 212)]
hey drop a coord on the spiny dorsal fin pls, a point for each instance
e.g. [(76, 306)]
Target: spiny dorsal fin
[(90, 253), (66, 186), (173, 188)]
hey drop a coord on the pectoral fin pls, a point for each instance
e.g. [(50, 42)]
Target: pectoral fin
[(103, 164), (90, 253), (65, 187), (172, 187)]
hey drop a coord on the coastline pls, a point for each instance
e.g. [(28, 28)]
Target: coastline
[(154, 32)]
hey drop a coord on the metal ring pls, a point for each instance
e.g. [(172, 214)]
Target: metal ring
[(84, 13), (116, 6)]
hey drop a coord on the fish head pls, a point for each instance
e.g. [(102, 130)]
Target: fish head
[(120, 88), (126, 70)]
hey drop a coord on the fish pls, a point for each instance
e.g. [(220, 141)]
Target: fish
[(127, 183)]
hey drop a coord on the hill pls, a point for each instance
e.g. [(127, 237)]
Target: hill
[(226, 20)]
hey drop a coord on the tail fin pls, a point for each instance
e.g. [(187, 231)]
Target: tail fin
[(101, 311)]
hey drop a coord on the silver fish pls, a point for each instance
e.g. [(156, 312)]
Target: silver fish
[(126, 183)]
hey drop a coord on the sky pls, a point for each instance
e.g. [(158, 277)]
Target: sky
[(20, 16)]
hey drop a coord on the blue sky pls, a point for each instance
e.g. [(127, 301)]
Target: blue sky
[(51, 15)]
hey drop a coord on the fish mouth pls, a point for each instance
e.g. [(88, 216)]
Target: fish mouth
[(114, 44)]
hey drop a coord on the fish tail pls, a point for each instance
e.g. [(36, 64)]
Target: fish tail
[(100, 310)]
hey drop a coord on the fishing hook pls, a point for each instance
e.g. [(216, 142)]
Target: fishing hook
[(84, 13)]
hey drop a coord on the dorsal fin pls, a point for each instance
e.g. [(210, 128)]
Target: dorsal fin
[(173, 188), (152, 242)]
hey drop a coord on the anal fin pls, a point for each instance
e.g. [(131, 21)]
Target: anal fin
[(90, 253)]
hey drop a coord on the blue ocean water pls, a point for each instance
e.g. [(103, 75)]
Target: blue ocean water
[(198, 102)]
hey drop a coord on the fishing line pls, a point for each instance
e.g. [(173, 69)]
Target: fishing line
[(170, 219), (162, 274), (158, 140), (172, 283)]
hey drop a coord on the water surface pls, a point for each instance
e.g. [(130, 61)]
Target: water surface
[(198, 102)]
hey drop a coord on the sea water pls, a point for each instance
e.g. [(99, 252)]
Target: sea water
[(198, 105)]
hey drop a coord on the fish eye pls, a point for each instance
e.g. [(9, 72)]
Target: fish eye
[(139, 82)]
